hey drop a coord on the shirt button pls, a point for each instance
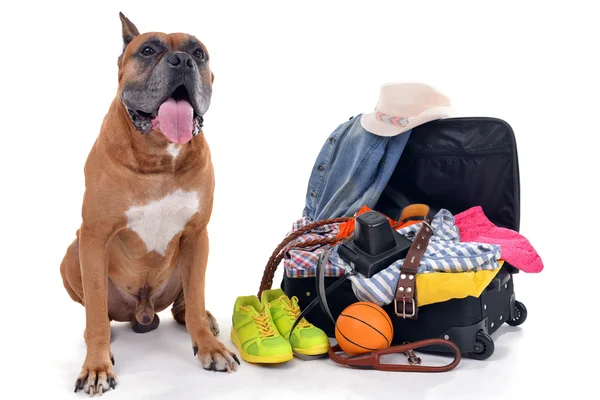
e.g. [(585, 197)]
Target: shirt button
[(332, 140), (320, 168), (313, 194)]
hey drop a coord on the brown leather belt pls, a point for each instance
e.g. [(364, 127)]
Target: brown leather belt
[(372, 360), (405, 303)]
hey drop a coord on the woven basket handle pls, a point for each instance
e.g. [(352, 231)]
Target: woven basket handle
[(278, 254)]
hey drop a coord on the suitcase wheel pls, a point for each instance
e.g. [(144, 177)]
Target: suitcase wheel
[(483, 347), (520, 314)]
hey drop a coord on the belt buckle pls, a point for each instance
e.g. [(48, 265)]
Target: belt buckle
[(429, 226), (403, 314)]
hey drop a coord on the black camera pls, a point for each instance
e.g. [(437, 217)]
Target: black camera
[(374, 246)]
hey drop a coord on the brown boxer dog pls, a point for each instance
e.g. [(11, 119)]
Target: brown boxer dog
[(143, 243)]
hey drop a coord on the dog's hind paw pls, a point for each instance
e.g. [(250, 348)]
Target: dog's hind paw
[(214, 356), (213, 324)]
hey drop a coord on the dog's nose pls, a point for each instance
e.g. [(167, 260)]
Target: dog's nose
[(180, 59)]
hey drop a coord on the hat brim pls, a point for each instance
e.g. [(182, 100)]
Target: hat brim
[(371, 124)]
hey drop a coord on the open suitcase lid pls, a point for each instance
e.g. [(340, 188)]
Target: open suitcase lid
[(451, 163), (458, 163)]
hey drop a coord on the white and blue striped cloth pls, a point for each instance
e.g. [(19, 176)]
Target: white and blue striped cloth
[(445, 253)]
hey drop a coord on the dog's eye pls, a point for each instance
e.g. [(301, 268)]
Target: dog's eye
[(147, 51), (199, 53)]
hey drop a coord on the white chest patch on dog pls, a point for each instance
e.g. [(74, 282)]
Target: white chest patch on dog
[(158, 221), (173, 150)]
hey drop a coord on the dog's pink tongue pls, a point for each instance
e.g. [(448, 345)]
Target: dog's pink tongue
[(176, 120)]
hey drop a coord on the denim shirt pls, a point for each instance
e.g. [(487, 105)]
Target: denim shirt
[(351, 171)]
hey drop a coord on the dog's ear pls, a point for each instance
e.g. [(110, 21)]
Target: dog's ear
[(129, 30)]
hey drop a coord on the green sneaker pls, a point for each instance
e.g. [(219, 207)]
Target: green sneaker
[(255, 335), (306, 339)]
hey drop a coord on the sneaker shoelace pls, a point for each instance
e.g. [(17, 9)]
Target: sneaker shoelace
[(262, 321), (294, 311)]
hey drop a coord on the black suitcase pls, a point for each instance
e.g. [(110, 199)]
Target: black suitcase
[(468, 322), (454, 163)]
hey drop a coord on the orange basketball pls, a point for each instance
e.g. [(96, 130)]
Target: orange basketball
[(363, 327)]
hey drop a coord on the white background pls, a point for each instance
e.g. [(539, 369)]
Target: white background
[(286, 74)]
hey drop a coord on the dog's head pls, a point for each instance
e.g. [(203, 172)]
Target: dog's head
[(165, 82)]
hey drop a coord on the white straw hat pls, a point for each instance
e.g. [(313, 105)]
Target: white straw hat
[(403, 106)]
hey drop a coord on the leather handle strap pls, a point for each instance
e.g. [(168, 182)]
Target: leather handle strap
[(405, 302), (321, 293), (372, 360)]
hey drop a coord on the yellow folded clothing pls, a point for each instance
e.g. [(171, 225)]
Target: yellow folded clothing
[(437, 287)]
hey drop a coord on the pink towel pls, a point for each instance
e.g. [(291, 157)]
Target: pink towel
[(474, 226)]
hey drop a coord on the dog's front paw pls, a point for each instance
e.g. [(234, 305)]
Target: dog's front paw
[(96, 375), (214, 356)]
